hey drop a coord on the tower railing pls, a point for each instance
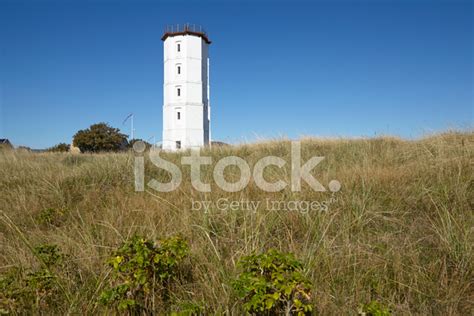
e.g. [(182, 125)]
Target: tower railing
[(187, 27)]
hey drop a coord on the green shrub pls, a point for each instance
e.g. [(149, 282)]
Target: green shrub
[(41, 285), (51, 216), (61, 147), (142, 270), (10, 292), (273, 283), (23, 293), (374, 308), (188, 308), (50, 255), (100, 137)]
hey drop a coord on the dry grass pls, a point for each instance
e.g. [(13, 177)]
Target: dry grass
[(400, 230)]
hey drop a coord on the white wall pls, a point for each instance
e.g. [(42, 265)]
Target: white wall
[(193, 127)]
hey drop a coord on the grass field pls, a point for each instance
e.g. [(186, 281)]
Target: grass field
[(399, 232)]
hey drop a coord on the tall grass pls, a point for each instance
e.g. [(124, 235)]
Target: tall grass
[(400, 231)]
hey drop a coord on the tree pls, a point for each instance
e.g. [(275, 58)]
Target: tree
[(100, 137), (61, 147)]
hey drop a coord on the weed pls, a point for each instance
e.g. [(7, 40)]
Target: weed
[(51, 216), (142, 270), (374, 308), (36, 290), (188, 308), (50, 255), (273, 283)]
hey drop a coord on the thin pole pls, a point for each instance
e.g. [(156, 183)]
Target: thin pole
[(132, 126), (130, 116)]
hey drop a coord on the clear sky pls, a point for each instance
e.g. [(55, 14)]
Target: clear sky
[(340, 68)]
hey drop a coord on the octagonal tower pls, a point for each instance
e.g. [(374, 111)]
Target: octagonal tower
[(186, 109)]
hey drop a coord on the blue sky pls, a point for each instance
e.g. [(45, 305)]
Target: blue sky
[(340, 68)]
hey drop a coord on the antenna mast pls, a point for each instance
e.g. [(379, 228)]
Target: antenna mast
[(130, 116)]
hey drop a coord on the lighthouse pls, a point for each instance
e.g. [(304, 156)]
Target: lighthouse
[(186, 109)]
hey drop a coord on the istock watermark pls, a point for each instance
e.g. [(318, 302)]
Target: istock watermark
[(299, 171), (226, 204)]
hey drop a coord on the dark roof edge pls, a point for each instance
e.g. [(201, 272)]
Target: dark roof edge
[(187, 32)]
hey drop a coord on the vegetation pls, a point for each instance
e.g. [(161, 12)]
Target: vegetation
[(273, 282), (100, 138), (374, 308), (143, 270), (24, 148), (133, 141), (61, 147), (50, 216), (397, 238), (33, 291)]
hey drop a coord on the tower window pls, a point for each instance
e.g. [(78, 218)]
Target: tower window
[(178, 92), (178, 69), (178, 47), (178, 144), (179, 115)]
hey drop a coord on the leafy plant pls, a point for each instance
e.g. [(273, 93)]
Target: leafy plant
[(20, 292), (50, 255), (374, 308), (51, 216), (61, 147), (188, 308), (41, 285), (142, 269), (273, 283), (10, 292)]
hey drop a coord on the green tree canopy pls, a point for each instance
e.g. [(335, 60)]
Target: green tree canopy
[(100, 137)]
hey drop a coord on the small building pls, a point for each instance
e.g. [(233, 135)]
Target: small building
[(5, 143)]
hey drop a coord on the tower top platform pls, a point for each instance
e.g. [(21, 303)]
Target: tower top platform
[(185, 29)]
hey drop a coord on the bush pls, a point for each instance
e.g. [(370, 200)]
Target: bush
[(11, 298), (36, 290), (188, 308), (141, 270), (61, 147), (50, 255), (374, 308), (51, 217), (273, 283), (100, 137)]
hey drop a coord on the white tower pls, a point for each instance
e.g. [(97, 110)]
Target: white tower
[(186, 110)]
